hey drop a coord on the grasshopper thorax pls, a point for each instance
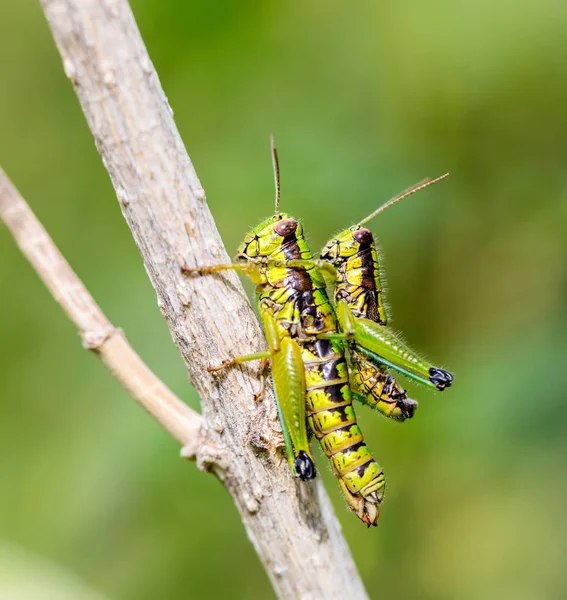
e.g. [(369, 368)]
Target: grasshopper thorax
[(270, 238)]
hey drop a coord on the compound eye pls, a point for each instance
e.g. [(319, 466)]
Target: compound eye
[(285, 227), (363, 236)]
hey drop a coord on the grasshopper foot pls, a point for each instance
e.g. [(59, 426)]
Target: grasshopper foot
[(223, 365), (440, 379), (304, 466)]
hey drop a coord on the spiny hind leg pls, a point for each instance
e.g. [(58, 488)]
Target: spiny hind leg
[(380, 344)]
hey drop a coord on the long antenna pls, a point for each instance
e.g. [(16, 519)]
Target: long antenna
[(276, 167), (416, 187)]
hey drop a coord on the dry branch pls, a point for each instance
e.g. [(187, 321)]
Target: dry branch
[(96, 331), (292, 525)]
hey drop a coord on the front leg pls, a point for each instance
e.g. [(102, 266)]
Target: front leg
[(326, 269), (252, 270), (239, 360)]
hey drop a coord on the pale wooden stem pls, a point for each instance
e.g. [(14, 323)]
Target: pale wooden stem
[(291, 524), (96, 331)]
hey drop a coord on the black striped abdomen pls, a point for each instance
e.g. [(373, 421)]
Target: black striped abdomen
[(332, 419)]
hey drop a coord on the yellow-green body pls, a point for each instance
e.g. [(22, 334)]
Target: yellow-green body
[(357, 282), (323, 355), (295, 296), (358, 274), (358, 296)]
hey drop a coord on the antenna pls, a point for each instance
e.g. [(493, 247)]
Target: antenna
[(276, 168), (416, 187)]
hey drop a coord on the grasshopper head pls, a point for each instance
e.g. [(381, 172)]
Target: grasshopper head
[(269, 237), (347, 244)]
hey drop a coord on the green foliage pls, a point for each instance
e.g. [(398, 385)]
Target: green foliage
[(365, 99)]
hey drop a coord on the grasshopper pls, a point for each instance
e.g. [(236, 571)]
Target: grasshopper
[(307, 356), (349, 263), (354, 270)]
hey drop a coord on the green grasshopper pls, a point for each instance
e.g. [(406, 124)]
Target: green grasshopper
[(349, 263), (309, 369), (354, 270)]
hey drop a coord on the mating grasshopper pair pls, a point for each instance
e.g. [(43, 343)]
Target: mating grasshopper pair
[(322, 353)]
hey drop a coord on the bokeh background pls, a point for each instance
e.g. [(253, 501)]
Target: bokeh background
[(365, 99)]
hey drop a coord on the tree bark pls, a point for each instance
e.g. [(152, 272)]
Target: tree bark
[(291, 524)]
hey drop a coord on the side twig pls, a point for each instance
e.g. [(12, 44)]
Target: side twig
[(95, 329)]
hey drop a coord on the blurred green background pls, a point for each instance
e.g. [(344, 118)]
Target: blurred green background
[(365, 99)]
